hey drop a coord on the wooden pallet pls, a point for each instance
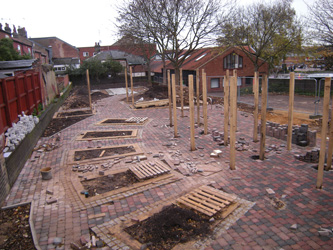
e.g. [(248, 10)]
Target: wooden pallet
[(137, 119), (145, 170), (208, 201), (147, 104)]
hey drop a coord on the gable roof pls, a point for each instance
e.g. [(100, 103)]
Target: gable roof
[(17, 64), (119, 55)]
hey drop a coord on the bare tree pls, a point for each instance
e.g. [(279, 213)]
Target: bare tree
[(265, 32), (320, 22), (178, 27)]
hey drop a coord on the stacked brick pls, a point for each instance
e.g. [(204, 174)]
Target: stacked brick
[(311, 156), (302, 136)]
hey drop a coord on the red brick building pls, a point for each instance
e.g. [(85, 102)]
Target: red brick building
[(215, 62)]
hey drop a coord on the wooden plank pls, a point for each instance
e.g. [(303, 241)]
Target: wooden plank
[(330, 145), (161, 168), (226, 107), (256, 105), (132, 92), (88, 86), (233, 119), (152, 169), (229, 210), (210, 202), (218, 193), (198, 95), (210, 199), (204, 203), (193, 206), (169, 95), (137, 172), (145, 170), (146, 104), (291, 109), (326, 104), (126, 83), (213, 197), (204, 105), (181, 92), (191, 104), (263, 117), (196, 206), (174, 105)]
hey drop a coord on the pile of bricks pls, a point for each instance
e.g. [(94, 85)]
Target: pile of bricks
[(311, 156), (302, 136)]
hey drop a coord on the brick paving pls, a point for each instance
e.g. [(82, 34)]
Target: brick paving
[(261, 226)]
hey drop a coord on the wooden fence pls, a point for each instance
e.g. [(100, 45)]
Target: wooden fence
[(17, 94)]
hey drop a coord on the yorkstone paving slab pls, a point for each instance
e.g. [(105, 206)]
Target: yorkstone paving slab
[(262, 226)]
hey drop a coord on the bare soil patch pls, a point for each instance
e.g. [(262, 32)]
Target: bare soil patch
[(169, 227), (100, 153), (74, 113), (108, 183), (15, 228), (100, 134)]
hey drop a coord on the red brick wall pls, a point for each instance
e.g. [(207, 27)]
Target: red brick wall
[(215, 69), (60, 49)]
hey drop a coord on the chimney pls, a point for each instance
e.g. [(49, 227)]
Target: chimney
[(97, 47), (7, 29), (22, 32), (14, 31), (0, 26)]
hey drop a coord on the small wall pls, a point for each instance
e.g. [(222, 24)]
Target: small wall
[(16, 161)]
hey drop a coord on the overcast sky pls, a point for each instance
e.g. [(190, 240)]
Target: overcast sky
[(78, 22)]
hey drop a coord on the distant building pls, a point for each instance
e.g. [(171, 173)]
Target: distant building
[(215, 62)]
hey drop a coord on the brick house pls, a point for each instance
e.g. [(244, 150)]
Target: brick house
[(124, 44), (25, 46), (215, 61)]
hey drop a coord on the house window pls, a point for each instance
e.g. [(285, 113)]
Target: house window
[(29, 50), (233, 61), (85, 54), (19, 48), (214, 83)]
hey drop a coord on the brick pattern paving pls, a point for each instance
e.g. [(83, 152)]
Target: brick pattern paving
[(263, 226)]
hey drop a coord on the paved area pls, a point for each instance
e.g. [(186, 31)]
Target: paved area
[(260, 226)]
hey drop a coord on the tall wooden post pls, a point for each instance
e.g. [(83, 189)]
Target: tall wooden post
[(256, 105), (330, 145), (204, 101), (174, 105), (88, 86), (263, 117), (191, 104), (233, 120), (132, 92), (181, 92), (198, 95), (226, 107), (291, 109), (326, 104), (126, 83), (170, 98)]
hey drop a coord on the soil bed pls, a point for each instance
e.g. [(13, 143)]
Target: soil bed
[(15, 228), (74, 113), (100, 134), (111, 121), (98, 153), (58, 124), (108, 183), (169, 227)]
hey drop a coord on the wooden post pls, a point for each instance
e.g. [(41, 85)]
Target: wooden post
[(126, 83), (132, 86), (233, 120), (263, 117), (174, 105), (204, 101), (170, 98), (88, 86), (291, 109), (198, 95), (330, 146), (191, 104), (326, 107), (256, 105), (181, 92), (226, 106)]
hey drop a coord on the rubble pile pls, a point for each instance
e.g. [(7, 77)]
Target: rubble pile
[(19, 130)]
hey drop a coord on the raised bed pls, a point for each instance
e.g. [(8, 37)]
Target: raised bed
[(108, 134)]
